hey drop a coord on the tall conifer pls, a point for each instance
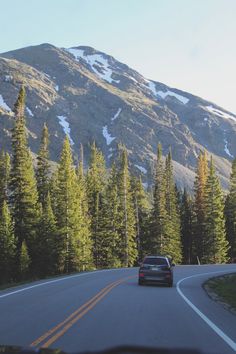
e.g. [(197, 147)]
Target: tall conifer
[(142, 209), (230, 213), (24, 197), (199, 207), (186, 227), (215, 245), (96, 183), (127, 230), (47, 233), (172, 238), (159, 214), (5, 167), (68, 214), (43, 167), (7, 245)]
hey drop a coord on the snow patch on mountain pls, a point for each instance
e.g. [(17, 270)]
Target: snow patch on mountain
[(66, 127), (98, 63), (152, 87), (180, 98), (117, 114), (106, 135), (4, 105), (8, 78), (219, 113), (226, 148), (29, 111), (142, 169)]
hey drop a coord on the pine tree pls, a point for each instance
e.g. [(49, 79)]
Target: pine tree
[(157, 241), (23, 184), (68, 214), (85, 242), (215, 245), (24, 261), (172, 237), (199, 207), (46, 240), (109, 240), (7, 245), (96, 183), (43, 167), (141, 215), (127, 229), (53, 187), (230, 213), (186, 227), (5, 167)]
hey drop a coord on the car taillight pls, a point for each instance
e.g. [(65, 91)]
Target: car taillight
[(141, 274)]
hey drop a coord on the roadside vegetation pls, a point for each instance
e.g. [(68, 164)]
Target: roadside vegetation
[(78, 218), (223, 289)]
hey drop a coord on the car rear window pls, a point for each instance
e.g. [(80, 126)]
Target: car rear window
[(155, 261)]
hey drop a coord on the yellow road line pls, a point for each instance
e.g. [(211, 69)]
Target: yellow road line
[(75, 316)]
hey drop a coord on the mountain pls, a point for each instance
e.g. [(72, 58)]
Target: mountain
[(89, 95)]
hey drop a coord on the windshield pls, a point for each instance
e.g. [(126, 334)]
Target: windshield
[(155, 261)]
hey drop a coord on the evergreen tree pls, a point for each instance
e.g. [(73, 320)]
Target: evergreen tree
[(53, 187), (23, 184), (157, 241), (96, 183), (215, 245), (47, 232), (109, 240), (24, 261), (126, 209), (199, 207), (68, 214), (5, 167), (172, 237), (186, 227), (43, 168), (141, 206), (7, 245), (230, 213), (85, 242)]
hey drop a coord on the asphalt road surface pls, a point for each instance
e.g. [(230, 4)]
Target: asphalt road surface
[(98, 310)]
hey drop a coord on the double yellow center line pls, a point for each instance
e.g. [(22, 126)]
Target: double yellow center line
[(59, 330)]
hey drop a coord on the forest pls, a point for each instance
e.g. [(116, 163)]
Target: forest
[(70, 219)]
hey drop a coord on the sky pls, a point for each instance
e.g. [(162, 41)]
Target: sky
[(186, 44)]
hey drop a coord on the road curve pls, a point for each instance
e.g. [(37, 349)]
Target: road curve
[(97, 310)]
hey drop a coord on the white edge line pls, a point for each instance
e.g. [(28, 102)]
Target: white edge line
[(55, 281), (216, 329)]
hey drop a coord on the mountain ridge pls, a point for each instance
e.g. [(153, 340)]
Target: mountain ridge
[(89, 95)]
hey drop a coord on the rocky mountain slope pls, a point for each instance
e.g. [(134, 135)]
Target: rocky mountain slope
[(89, 96)]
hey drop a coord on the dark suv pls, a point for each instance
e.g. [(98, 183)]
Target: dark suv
[(156, 269)]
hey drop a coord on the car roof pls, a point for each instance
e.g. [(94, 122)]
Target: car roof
[(155, 257)]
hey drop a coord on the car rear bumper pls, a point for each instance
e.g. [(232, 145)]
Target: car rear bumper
[(153, 276), (156, 279)]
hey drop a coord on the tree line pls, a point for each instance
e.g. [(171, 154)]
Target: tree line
[(74, 220)]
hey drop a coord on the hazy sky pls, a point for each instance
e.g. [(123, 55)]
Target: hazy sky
[(187, 44)]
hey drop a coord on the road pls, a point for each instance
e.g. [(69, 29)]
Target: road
[(97, 310)]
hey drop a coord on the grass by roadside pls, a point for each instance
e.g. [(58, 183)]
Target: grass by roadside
[(223, 289)]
